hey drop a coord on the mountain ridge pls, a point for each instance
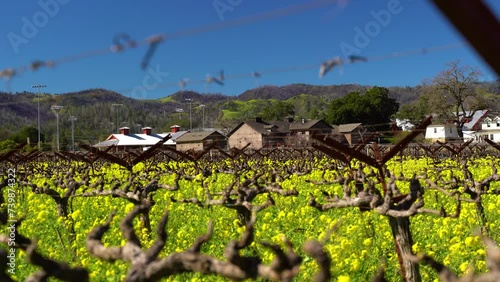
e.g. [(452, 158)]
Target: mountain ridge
[(97, 116)]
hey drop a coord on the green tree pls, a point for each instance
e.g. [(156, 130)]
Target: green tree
[(416, 111), (7, 145), (27, 132), (412, 112), (277, 110), (373, 107)]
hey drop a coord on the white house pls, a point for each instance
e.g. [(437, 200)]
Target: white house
[(127, 141), (442, 132), (473, 125), (490, 128)]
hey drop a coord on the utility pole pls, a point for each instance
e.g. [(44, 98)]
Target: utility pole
[(190, 100), (38, 86), (56, 109), (202, 106), (72, 119), (117, 124)]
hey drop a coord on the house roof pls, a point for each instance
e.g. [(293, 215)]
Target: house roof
[(348, 127), (307, 124), (471, 122), (261, 127), (198, 136), (492, 118), (132, 140), (282, 126), (277, 127), (173, 137), (107, 143)]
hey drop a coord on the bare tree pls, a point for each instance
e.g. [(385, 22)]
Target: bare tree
[(456, 97)]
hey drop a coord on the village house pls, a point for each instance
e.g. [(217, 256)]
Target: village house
[(472, 125), (303, 131), (258, 134), (354, 133), (199, 141), (445, 132), (175, 133), (126, 141), (490, 128)]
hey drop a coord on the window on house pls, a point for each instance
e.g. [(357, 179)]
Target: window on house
[(498, 123), (435, 130), (451, 130), (491, 137), (488, 124)]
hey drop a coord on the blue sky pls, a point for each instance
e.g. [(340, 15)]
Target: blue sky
[(69, 27)]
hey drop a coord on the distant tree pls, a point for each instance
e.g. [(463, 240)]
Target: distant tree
[(4, 134), (230, 105), (277, 110), (26, 132), (452, 93), (7, 145), (313, 113), (347, 109), (414, 112), (489, 95), (373, 107), (183, 122)]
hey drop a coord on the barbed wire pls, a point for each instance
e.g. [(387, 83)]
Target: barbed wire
[(324, 68), (122, 42)]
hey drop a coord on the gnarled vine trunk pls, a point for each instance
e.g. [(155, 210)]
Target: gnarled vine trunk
[(403, 242), (482, 217)]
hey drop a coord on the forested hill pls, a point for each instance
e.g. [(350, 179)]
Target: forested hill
[(23, 106), (403, 95)]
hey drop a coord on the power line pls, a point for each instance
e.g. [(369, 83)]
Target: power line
[(279, 70), (154, 40), (254, 74), (122, 42)]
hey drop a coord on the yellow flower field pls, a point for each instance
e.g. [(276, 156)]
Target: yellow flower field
[(360, 244)]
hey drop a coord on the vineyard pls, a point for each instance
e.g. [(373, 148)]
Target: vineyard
[(332, 212)]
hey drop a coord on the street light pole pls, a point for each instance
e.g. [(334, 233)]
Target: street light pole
[(56, 109), (38, 86), (202, 117), (72, 119), (190, 100)]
